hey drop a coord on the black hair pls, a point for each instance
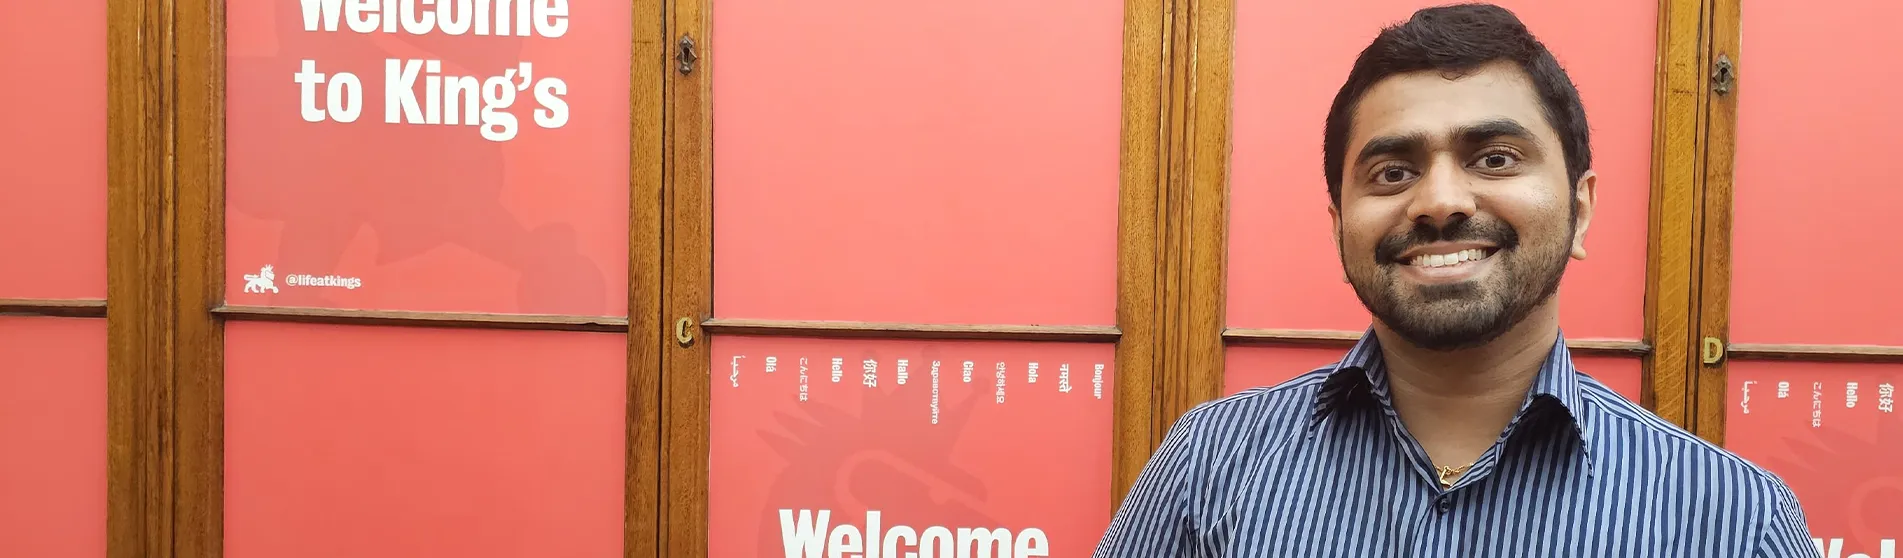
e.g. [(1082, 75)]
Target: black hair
[(1458, 39)]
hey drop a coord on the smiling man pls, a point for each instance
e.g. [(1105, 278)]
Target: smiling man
[(1460, 183)]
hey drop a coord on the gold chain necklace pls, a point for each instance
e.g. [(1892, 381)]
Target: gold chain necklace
[(1448, 475)]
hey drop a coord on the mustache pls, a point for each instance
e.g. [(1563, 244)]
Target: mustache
[(1460, 229)]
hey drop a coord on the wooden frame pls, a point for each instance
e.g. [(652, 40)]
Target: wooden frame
[(1668, 338), (166, 375), (1671, 291), (140, 284), (1143, 300), (1195, 263), (1671, 248), (1713, 308), (1141, 253), (1714, 280)]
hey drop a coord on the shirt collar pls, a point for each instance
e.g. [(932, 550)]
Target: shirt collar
[(1364, 371)]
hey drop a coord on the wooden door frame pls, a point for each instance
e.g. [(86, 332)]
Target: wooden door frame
[(165, 310), (1670, 289), (1711, 383), (1148, 210)]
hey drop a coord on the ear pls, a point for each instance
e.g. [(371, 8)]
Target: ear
[(1334, 218), (1585, 196)]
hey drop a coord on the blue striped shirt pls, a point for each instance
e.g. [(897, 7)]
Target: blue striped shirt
[(1321, 466)]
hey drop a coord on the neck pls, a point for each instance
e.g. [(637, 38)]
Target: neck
[(1457, 403)]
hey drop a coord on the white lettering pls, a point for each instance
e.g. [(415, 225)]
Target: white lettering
[(1783, 390), (1000, 383), (307, 79), (399, 92), (1096, 382), (1886, 398), (1850, 395), (454, 16), (845, 540), (1817, 405), (902, 374), (771, 364), (343, 94), (804, 538), (552, 18), (554, 111), (807, 535), (969, 366), (1063, 378), (934, 392), (803, 387), (546, 18), (1834, 548), (839, 369), (1033, 374)]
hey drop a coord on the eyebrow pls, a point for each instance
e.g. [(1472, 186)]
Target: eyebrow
[(1478, 132)]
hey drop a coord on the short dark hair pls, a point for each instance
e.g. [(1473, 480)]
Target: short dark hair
[(1459, 38)]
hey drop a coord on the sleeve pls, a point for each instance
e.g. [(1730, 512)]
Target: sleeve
[(1154, 520), (1784, 533)]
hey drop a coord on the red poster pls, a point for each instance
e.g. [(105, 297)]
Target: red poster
[(52, 437), (436, 156), (376, 442), (888, 448), (53, 156), (903, 161), (1833, 433)]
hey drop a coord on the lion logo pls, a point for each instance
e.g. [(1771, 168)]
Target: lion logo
[(264, 280)]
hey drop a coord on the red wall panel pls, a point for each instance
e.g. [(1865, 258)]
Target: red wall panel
[(947, 162), (922, 449), (423, 201), (52, 437), (384, 443), (53, 154)]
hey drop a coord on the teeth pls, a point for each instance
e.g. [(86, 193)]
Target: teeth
[(1442, 260)]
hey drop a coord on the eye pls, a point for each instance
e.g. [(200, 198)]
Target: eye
[(1392, 175), (1497, 161)]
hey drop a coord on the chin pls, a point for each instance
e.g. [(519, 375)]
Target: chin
[(1446, 317)]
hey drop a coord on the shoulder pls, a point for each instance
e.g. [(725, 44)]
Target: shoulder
[(1252, 417), (1632, 438)]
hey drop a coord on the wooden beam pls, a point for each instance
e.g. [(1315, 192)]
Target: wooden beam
[(1140, 220), (1814, 353), (140, 281), (647, 176), (77, 308), (200, 383), (1714, 228), (860, 330), (403, 318), (687, 289), (1671, 288)]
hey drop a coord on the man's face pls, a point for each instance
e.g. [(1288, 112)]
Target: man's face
[(1456, 218)]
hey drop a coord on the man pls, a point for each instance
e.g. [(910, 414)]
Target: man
[(1460, 181)]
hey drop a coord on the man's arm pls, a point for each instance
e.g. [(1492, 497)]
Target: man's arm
[(1154, 520), (1785, 533)]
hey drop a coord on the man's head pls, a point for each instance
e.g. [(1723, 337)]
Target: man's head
[(1459, 175)]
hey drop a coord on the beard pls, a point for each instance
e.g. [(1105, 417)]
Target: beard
[(1446, 317)]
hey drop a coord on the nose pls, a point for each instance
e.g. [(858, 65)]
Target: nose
[(1440, 195)]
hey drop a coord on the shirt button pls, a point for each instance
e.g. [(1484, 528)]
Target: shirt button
[(1444, 504)]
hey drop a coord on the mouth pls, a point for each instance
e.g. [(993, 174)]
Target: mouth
[(1446, 262)]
